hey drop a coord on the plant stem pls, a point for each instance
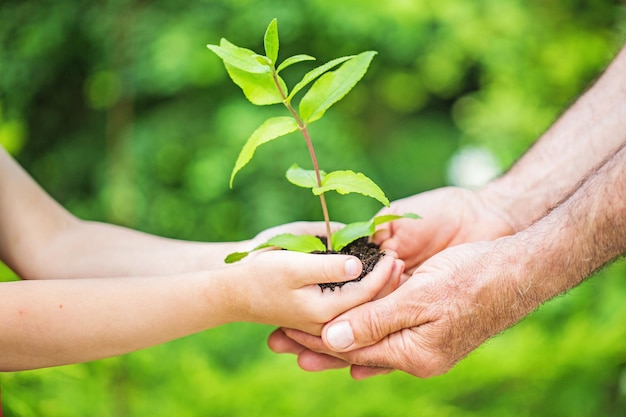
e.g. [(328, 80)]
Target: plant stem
[(303, 128)]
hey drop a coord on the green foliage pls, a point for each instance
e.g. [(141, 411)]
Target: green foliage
[(121, 115), (310, 76), (344, 182), (270, 129), (250, 72), (333, 86), (295, 243), (354, 231), (306, 243)]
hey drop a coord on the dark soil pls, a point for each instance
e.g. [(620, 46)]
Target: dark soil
[(369, 253)]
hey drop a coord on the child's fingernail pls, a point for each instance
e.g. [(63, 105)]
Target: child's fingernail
[(353, 267), (339, 335)]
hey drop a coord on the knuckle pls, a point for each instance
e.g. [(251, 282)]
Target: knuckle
[(378, 322), (332, 271), (421, 359), (434, 365)]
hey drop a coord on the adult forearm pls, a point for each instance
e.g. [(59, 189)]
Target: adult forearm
[(582, 234), (576, 144), (499, 282)]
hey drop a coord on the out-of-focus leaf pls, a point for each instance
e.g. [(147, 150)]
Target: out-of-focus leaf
[(271, 41), (241, 58)]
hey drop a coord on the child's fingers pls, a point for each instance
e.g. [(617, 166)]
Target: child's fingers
[(303, 269), (323, 269), (353, 294)]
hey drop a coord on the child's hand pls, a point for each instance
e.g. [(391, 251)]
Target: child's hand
[(280, 287)]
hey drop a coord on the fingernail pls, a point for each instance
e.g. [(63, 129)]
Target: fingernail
[(339, 335), (353, 268)]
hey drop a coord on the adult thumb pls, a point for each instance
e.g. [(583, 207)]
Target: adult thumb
[(363, 326)]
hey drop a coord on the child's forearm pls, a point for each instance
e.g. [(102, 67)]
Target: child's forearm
[(40, 239), (57, 322), (91, 249)]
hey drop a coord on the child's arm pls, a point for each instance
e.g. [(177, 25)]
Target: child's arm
[(55, 322), (40, 239), (156, 289)]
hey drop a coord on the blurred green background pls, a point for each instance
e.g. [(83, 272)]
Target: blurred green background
[(121, 113)]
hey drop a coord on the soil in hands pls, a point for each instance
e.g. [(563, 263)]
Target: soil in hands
[(369, 253)]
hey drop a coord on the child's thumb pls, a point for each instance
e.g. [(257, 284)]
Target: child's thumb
[(338, 268)]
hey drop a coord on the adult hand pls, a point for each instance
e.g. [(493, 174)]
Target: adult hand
[(450, 216), (452, 304)]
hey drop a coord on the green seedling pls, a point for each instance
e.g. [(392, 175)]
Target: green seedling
[(259, 78)]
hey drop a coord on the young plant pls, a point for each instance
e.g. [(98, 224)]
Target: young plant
[(259, 78)]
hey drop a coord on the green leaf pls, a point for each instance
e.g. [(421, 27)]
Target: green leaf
[(270, 129), (240, 58), (386, 218), (345, 182), (235, 257), (259, 89), (333, 86), (353, 231), (271, 41), (298, 243), (294, 60), (316, 72), (340, 239), (302, 177)]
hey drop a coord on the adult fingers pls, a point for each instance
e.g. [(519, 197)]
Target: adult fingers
[(279, 342), (396, 279), (369, 323), (311, 358), (416, 351), (311, 361), (409, 350), (308, 359), (406, 350), (362, 372)]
